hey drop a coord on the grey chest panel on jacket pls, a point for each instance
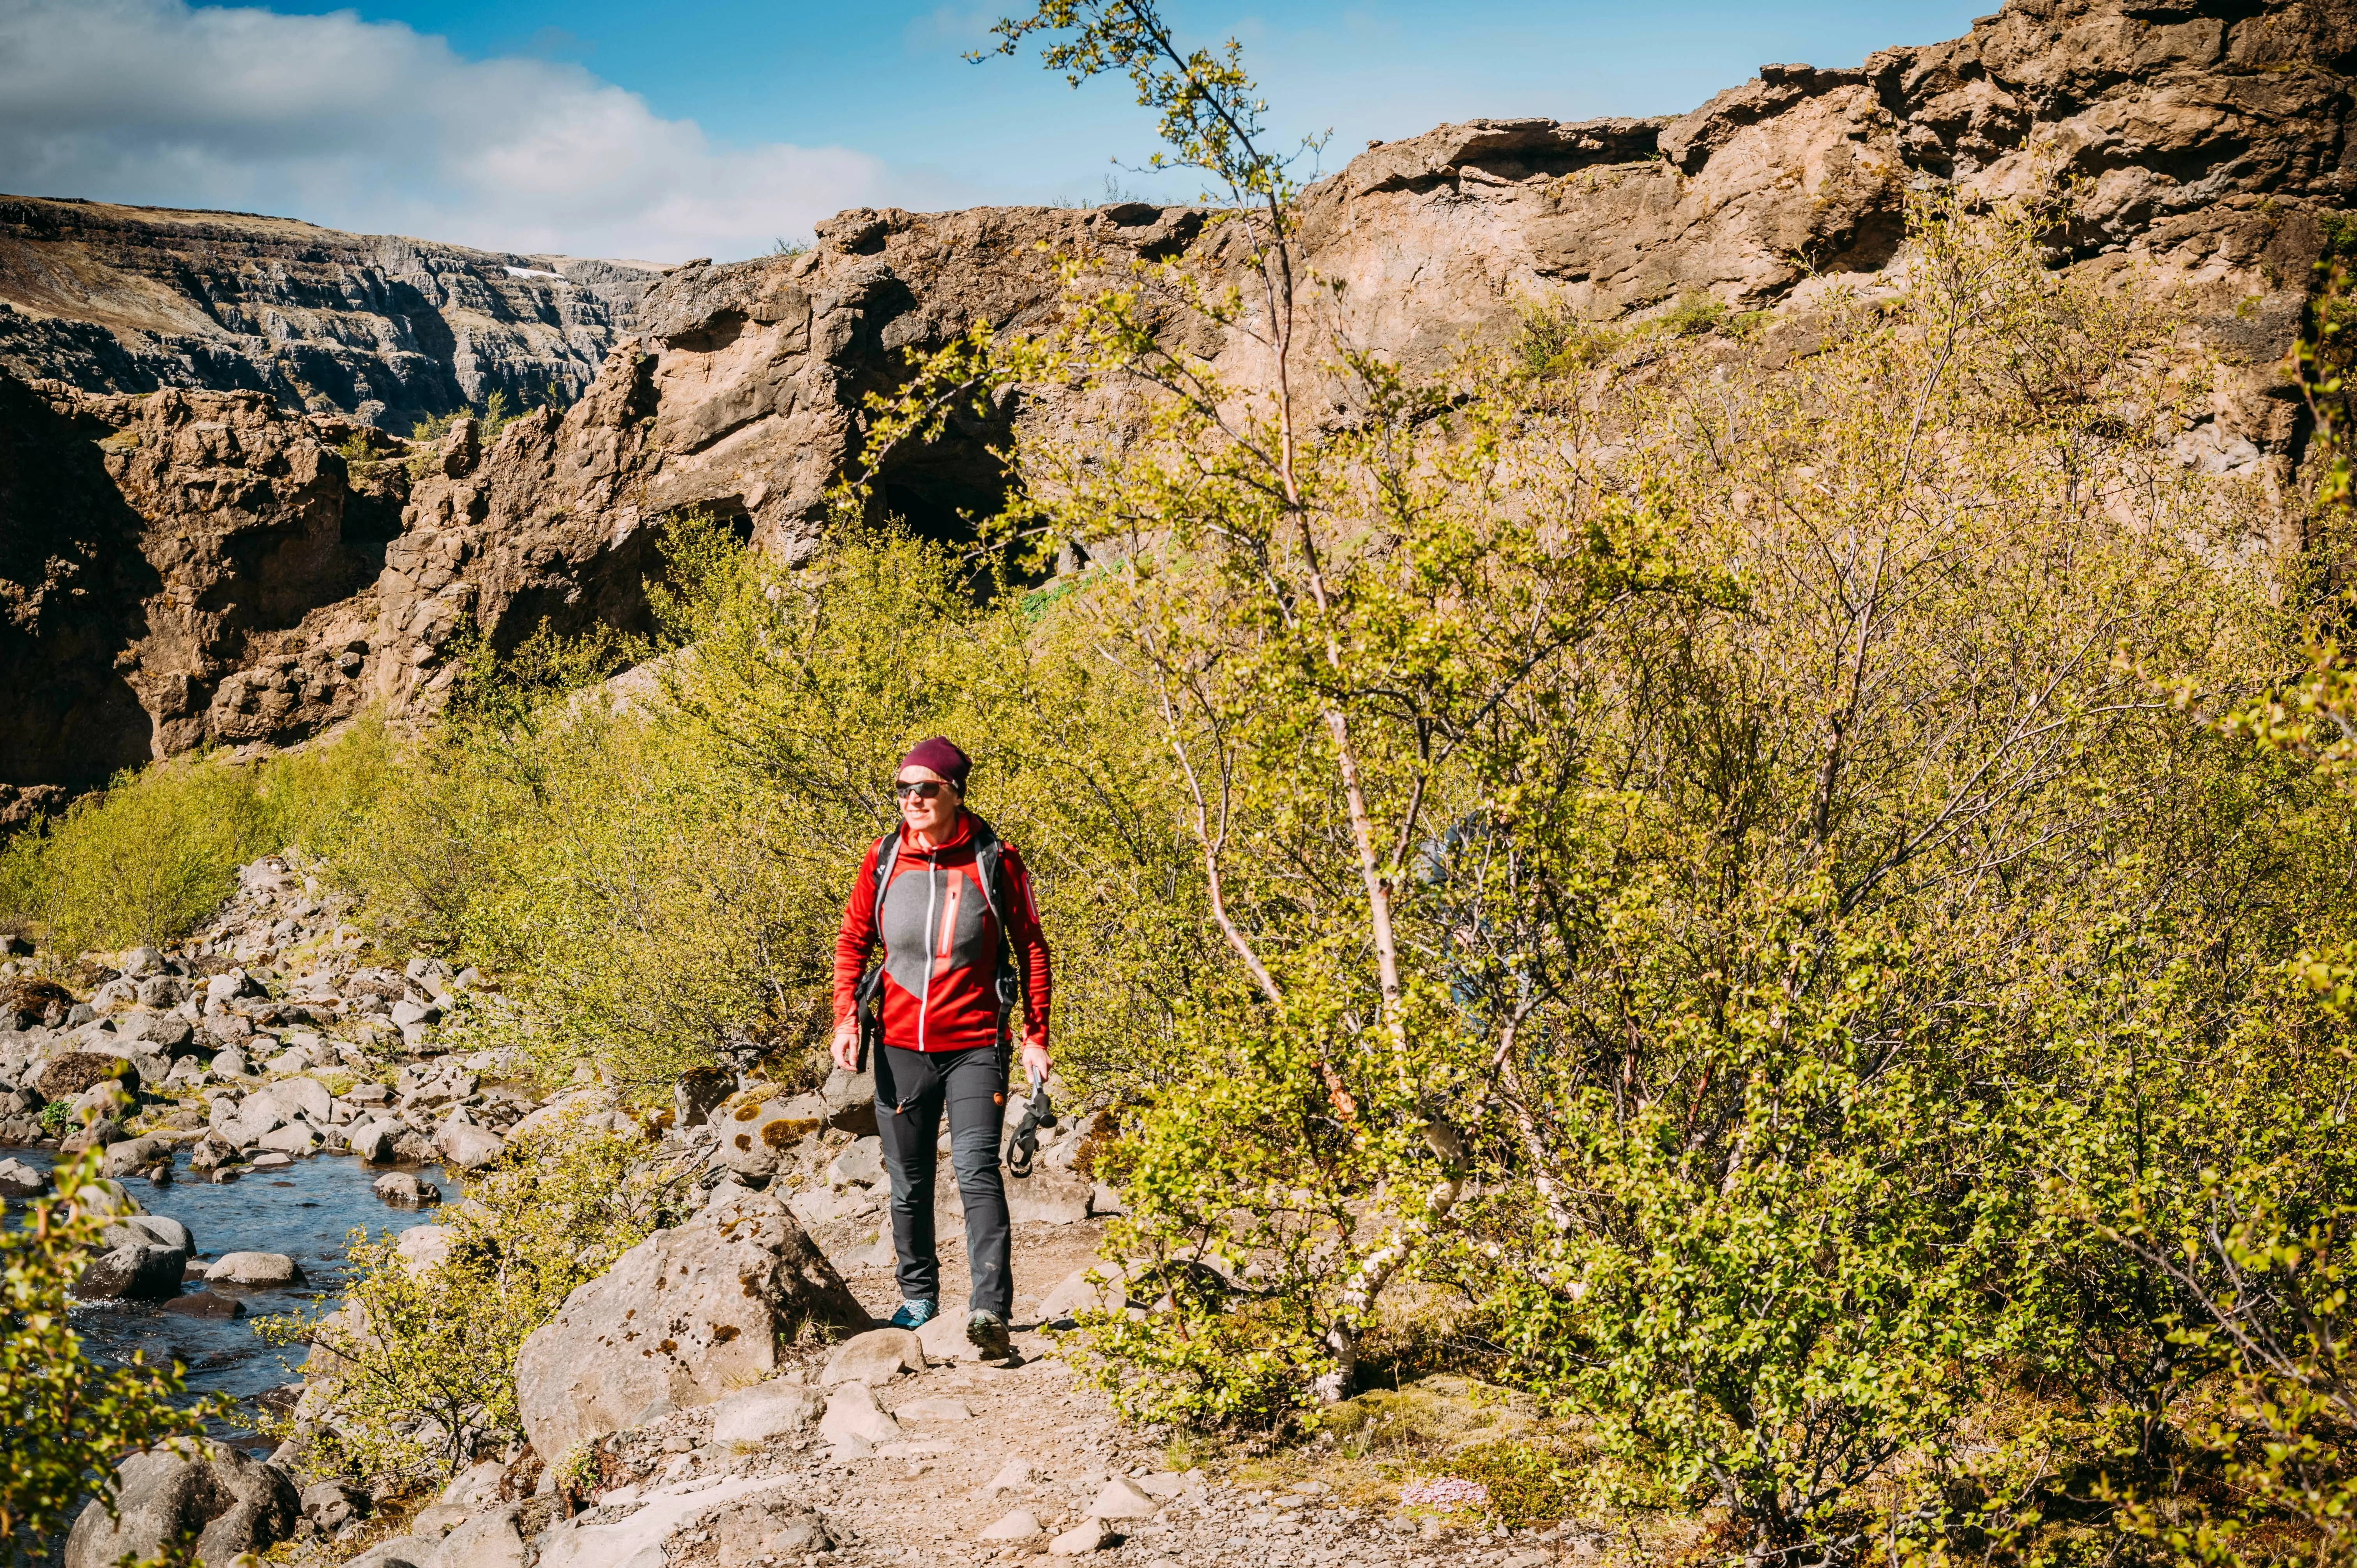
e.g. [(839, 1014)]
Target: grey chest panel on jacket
[(933, 920)]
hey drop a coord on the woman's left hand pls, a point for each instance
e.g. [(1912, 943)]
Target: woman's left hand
[(1035, 1061)]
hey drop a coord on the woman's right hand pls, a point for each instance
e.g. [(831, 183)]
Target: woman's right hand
[(847, 1044)]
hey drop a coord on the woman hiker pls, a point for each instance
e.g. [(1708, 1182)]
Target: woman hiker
[(951, 907)]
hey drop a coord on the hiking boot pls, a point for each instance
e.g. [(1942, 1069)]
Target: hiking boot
[(915, 1315), (988, 1334)]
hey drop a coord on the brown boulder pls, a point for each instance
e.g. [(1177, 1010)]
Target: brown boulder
[(75, 1071), (29, 993), (755, 1132), (223, 1502), (684, 1316)]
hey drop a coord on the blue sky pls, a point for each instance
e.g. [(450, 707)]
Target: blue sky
[(595, 127)]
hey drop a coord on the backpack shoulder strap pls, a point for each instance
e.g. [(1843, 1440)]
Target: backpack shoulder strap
[(989, 863), (888, 854), (989, 856)]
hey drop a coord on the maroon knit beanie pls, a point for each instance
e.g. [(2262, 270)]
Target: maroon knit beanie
[(942, 758)]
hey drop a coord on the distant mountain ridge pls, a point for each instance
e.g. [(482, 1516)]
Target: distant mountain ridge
[(385, 330)]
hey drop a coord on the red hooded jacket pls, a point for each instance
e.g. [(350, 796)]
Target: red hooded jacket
[(941, 946)]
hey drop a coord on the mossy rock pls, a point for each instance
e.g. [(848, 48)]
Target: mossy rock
[(757, 1126), (76, 1070), (743, 1105), (31, 994)]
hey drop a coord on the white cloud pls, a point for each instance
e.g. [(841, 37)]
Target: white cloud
[(375, 127)]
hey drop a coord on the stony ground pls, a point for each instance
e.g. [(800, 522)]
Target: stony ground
[(267, 1037), (930, 1497), (270, 1037), (977, 1447)]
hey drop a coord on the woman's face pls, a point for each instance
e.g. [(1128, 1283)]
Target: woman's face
[(932, 814)]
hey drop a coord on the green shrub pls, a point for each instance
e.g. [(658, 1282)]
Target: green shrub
[(361, 459), (441, 1344), (319, 796), (1208, 1361), (149, 859), (70, 1420), (490, 420), (1552, 341), (1693, 314), (144, 861)]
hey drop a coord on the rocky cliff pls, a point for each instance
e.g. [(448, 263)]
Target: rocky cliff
[(214, 571), (190, 569), (2211, 139), (386, 330)]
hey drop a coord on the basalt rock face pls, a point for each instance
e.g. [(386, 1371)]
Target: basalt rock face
[(550, 523), (384, 329), (2211, 138), (759, 368), (2211, 135), (193, 568), (176, 571), (190, 569), (72, 582), (742, 397)]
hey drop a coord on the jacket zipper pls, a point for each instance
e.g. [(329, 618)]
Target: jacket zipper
[(945, 940), (925, 1002)]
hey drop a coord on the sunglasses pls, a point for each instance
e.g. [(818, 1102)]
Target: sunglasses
[(922, 789)]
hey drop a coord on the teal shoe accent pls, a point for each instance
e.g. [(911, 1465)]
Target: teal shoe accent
[(915, 1313)]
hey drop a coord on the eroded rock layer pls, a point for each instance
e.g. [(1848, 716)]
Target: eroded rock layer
[(190, 569), (2211, 138), (388, 330)]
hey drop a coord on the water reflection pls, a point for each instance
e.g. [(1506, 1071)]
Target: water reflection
[(305, 1211)]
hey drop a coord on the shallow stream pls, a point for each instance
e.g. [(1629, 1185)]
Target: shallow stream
[(305, 1211)]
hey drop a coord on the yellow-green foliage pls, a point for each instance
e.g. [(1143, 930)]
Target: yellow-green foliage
[(155, 853), (142, 862), (488, 421), (317, 797), (1693, 315), (70, 1420), (1554, 340), (1716, 883), (658, 870), (441, 1343), (359, 457)]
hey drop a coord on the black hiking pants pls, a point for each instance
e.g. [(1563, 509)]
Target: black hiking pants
[(912, 1087)]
